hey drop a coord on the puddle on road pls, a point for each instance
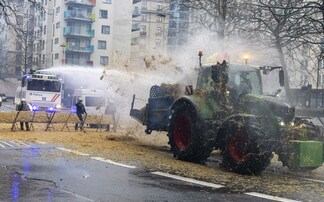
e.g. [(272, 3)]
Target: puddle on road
[(17, 187)]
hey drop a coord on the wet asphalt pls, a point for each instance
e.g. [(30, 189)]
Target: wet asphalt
[(37, 172)]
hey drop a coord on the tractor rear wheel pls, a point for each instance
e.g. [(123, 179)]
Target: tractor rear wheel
[(187, 134), (245, 150)]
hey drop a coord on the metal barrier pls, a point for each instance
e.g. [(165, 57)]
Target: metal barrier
[(50, 119)]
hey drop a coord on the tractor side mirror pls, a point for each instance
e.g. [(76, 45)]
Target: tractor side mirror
[(281, 78), (265, 71)]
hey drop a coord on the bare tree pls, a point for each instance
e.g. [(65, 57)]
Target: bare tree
[(281, 25), (211, 14), (18, 16), (285, 25), (10, 9)]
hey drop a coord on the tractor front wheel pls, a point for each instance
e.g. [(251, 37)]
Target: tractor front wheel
[(246, 151)]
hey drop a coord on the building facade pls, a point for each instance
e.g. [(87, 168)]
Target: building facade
[(154, 23), (83, 32)]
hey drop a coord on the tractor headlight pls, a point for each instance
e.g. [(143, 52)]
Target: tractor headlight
[(281, 121)]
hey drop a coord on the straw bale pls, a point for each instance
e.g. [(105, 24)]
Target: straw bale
[(72, 119), (25, 116), (107, 119), (93, 119), (41, 117), (60, 118), (7, 117)]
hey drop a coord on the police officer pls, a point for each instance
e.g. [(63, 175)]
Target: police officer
[(80, 110), (23, 107)]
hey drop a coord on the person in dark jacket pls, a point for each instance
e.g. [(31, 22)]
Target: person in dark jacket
[(80, 110), (23, 107)]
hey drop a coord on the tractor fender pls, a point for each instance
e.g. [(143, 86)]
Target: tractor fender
[(183, 99), (222, 131)]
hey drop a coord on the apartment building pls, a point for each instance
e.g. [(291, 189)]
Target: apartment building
[(84, 32), (154, 23)]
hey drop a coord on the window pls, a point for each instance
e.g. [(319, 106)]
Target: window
[(144, 5), (143, 17), (43, 44), (159, 31), (56, 40), (57, 9), (106, 1), (105, 29), (44, 29), (56, 56), (101, 44), (103, 14), (104, 60), (143, 30), (159, 7), (159, 19), (58, 25), (321, 79), (94, 101)]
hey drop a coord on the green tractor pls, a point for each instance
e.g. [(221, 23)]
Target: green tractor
[(228, 112)]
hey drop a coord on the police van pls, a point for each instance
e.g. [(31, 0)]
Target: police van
[(94, 100)]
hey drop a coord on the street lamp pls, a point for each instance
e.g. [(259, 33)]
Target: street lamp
[(320, 63), (246, 58)]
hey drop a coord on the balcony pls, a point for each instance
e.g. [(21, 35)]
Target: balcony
[(80, 62), (77, 47), (143, 34), (136, 1), (78, 15), (87, 3), (136, 27), (77, 31), (136, 13)]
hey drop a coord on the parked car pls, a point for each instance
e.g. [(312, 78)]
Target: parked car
[(3, 97)]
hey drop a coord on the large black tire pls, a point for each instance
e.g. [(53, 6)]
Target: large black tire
[(246, 150), (187, 134)]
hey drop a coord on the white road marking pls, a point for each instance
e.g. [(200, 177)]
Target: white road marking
[(274, 198), (2, 146), (77, 196), (41, 142), (7, 143), (112, 162), (313, 180), (207, 184), (22, 143), (72, 151), (18, 143)]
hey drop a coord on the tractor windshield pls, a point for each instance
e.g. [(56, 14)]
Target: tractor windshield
[(242, 78), (245, 82)]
